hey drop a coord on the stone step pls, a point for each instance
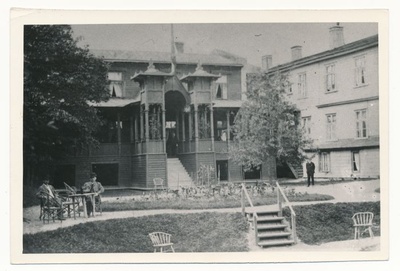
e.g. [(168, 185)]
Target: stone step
[(281, 242), (271, 227), (273, 234)]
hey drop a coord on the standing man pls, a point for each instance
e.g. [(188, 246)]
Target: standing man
[(92, 187), (310, 167)]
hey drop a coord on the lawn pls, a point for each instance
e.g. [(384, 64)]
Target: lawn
[(200, 232), (328, 222), (204, 232)]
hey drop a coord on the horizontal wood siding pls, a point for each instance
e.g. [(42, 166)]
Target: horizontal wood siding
[(156, 168), (139, 171)]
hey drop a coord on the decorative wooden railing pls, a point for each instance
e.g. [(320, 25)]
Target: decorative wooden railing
[(280, 193), (244, 195)]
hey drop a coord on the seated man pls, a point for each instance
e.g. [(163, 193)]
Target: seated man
[(92, 187), (48, 195)]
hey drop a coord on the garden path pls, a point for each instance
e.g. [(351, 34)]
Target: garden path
[(357, 191)]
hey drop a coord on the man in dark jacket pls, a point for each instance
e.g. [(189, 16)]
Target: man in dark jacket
[(310, 167)]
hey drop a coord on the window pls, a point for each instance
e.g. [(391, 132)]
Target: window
[(221, 91), (324, 162), (331, 126), (361, 123), (306, 124), (330, 78), (301, 85), (355, 161), (289, 88), (360, 71), (222, 170), (116, 84)]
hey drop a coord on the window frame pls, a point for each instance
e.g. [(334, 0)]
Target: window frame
[(330, 127), (116, 82), (354, 160), (223, 86), (360, 71), (302, 85), (306, 124), (330, 75), (324, 162), (359, 131)]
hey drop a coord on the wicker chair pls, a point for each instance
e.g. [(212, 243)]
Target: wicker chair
[(362, 220), (161, 241)]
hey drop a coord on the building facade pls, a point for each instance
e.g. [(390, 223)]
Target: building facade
[(165, 119), (337, 93)]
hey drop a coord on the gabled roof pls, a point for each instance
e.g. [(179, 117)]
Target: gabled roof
[(199, 72), (164, 57), (339, 51), (151, 71)]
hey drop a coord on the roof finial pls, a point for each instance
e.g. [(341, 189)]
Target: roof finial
[(199, 67), (151, 65)]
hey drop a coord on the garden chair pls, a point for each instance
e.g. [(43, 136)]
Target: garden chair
[(158, 183), (71, 206), (362, 220), (161, 241), (50, 209)]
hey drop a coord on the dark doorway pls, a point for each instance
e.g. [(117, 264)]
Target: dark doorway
[(254, 173), (222, 170), (172, 138), (64, 174), (107, 174)]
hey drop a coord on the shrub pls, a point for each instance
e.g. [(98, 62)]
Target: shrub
[(29, 196)]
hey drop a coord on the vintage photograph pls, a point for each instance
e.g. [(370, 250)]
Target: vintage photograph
[(216, 137)]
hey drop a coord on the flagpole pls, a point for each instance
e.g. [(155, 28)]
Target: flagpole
[(173, 56)]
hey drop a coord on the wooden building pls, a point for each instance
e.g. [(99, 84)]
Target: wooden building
[(164, 119)]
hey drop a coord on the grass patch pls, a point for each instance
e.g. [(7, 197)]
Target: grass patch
[(328, 222), (204, 203), (203, 232)]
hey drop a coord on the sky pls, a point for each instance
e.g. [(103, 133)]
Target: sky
[(248, 40)]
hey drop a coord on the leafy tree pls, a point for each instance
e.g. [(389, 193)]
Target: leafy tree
[(60, 79), (267, 125)]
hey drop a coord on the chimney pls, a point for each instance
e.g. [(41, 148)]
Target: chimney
[(179, 47), (266, 62), (336, 38), (296, 52)]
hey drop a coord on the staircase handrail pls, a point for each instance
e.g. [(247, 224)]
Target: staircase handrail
[(243, 195), (292, 212)]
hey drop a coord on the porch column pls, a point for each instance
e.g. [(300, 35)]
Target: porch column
[(163, 128), (196, 127), (183, 125), (212, 127), (228, 126), (131, 128), (146, 120), (119, 132), (190, 129), (177, 124), (141, 123)]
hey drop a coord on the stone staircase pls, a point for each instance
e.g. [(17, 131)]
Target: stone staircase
[(177, 174), (270, 227)]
